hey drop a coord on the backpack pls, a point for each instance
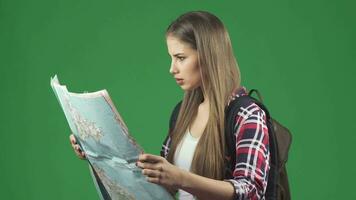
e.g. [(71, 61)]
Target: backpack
[(280, 140)]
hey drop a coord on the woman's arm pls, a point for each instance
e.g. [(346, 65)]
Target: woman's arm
[(158, 170), (205, 188), (252, 154)]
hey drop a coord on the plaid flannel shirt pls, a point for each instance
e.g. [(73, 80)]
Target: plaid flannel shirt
[(250, 174)]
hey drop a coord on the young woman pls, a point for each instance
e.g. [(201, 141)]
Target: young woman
[(193, 154)]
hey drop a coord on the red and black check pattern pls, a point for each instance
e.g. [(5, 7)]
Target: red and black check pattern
[(252, 152)]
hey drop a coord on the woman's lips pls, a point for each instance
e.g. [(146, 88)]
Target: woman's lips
[(179, 81)]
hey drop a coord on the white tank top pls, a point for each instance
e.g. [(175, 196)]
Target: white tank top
[(183, 159)]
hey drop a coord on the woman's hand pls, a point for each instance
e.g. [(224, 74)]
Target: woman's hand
[(76, 147), (158, 170)]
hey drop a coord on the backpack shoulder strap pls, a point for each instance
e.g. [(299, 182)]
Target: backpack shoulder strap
[(172, 122), (174, 116)]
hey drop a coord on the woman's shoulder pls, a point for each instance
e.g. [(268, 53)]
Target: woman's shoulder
[(247, 106)]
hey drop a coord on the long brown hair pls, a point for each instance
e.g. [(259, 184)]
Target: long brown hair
[(220, 76)]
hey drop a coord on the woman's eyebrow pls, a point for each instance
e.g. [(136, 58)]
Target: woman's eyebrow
[(178, 54)]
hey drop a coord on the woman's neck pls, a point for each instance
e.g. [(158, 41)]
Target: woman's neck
[(205, 101), (204, 105)]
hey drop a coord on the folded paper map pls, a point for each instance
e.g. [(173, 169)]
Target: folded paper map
[(110, 150)]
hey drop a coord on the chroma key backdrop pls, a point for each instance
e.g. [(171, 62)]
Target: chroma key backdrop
[(301, 55)]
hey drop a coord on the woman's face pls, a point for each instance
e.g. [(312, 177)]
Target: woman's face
[(184, 66)]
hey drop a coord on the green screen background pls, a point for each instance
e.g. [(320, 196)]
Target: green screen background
[(299, 54)]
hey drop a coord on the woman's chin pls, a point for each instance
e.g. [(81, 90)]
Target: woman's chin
[(187, 88)]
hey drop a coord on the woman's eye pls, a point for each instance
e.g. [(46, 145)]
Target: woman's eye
[(181, 58)]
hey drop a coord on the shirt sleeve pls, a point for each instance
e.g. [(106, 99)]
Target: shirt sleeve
[(252, 154)]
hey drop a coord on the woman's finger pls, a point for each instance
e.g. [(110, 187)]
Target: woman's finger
[(150, 158), (83, 155), (151, 173), (77, 148), (73, 145), (72, 139), (154, 180), (147, 165), (79, 152)]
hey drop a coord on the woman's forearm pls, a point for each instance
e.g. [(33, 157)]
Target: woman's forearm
[(205, 188)]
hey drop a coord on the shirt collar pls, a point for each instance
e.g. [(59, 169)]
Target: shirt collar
[(241, 91)]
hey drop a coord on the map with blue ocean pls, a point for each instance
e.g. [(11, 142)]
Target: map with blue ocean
[(110, 150)]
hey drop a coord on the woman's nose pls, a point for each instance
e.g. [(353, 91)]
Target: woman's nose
[(173, 69)]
